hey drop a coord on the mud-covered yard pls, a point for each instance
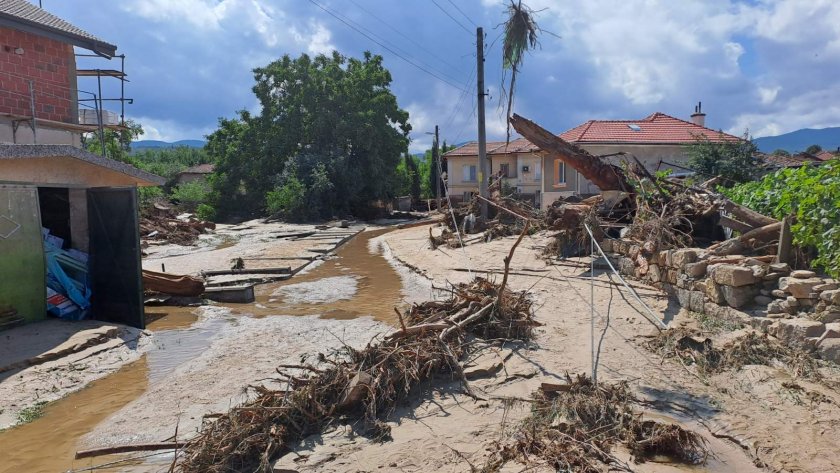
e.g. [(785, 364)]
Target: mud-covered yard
[(199, 362)]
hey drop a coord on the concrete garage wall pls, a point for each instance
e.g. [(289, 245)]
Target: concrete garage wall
[(22, 253), (62, 172)]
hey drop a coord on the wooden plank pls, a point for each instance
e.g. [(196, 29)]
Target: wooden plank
[(783, 254), (735, 224), (747, 216), (230, 272)]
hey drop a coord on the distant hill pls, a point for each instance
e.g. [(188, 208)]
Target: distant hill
[(165, 144), (828, 138)]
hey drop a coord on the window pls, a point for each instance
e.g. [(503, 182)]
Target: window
[(504, 169), (469, 173), (559, 173), (537, 171)]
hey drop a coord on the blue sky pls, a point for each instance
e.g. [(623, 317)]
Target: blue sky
[(763, 65)]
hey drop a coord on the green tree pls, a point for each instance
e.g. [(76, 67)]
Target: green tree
[(813, 149), (781, 152), (734, 160), (117, 142), (332, 110)]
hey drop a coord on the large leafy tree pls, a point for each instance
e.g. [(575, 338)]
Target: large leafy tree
[(333, 117), (736, 161)]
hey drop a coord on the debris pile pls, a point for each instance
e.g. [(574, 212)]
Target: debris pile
[(359, 385), (575, 426), (747, 348), (160, 224)]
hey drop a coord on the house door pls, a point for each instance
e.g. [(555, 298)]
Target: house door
[(23, 289), (115, 271)]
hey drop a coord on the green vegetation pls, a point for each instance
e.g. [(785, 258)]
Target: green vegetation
[(31, 413), (811, 194), (328, 140), (735, 161), (168, 162), (189, 195), (813, 149), (117, 142)]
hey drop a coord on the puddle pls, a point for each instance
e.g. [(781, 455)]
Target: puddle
[(169, 318), (378, 287), (48, 444), (172, 348)]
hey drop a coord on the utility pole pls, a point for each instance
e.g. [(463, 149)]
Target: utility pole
[(483, 172), (436, 167)]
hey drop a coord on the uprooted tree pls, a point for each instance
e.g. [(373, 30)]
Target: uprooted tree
[(603, 174)]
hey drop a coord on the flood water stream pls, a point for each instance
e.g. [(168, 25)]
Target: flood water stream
[(49, 443)]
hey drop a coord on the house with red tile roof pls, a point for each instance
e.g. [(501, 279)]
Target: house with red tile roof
[(826, 155), (777, 161), (658, 141)]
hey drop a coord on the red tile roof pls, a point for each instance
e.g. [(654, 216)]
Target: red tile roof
[(656, 128), (792, 161), (825, 155)]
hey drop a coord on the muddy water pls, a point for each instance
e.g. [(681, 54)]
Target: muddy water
[(378, 287), (48, 443)]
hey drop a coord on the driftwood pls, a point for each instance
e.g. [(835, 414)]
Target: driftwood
[(735, 224), (227, 272), (602, 174), (142, 447)]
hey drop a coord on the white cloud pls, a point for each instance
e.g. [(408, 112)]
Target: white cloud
[(810, 110), (168, 130), (768, 94)]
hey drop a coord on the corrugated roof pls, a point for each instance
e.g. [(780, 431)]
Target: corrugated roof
[(655, 128), (60, 151), (23, 15)]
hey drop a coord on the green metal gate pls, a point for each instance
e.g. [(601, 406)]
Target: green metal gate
[(22, 268)]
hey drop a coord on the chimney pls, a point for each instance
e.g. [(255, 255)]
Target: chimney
[(698, 117)]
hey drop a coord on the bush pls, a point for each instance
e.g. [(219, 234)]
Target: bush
[(206, 212), (146, 196), (811, 193), (190, 194), (288, 200)]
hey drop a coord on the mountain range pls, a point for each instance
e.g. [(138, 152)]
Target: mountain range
[(141, 144), (799, 140)]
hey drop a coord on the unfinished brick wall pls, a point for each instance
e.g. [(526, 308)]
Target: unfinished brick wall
[(50, 64)]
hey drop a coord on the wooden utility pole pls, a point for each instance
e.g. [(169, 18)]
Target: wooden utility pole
[(437, 167), (483, 172)]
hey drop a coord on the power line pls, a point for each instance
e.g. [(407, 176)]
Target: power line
[(346, 22), (409, 38), (462, 12), (452, 18)]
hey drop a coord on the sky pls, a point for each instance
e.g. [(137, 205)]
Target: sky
[(763, 66)]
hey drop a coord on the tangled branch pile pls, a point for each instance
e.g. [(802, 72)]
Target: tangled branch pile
[(753, 348), (161, 224), (574, 426), (359, 385)]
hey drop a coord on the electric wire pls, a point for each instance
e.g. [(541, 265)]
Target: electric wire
[(452, 18), (409, 38), (462, 12), (384, 46)]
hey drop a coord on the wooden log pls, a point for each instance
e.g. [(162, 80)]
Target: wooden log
[(174, 284), (140, 447), (746, 215), (765, 233), (599, 172)]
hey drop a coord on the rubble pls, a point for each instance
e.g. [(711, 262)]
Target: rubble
[(160, 224)]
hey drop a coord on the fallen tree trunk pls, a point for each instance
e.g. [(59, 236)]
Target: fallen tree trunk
[(604, 175), (748, 216), (143, 447)]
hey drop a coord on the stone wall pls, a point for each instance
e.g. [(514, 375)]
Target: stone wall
[(798, 307)]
